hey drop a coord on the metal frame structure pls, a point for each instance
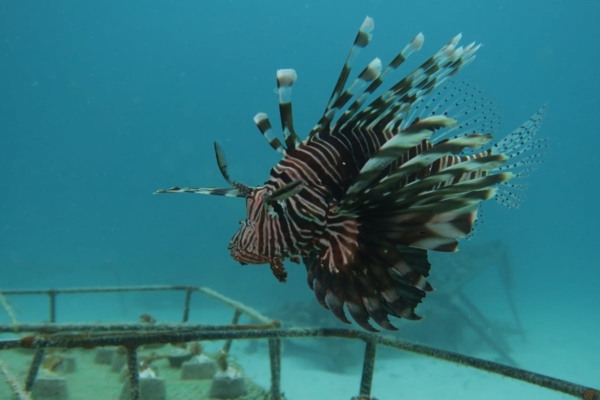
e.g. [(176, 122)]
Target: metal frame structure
[(132, 336)]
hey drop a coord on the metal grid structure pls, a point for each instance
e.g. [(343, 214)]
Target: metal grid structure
[(132, 336)]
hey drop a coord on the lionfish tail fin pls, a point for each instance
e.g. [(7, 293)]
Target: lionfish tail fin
[(525, 153)]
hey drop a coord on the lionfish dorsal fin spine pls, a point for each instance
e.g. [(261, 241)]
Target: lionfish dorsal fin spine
[(371, 72), (285, 80), (264, 126), (363, 37), (415, 45), (389, 111)]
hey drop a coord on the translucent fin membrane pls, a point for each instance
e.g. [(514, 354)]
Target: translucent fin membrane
[(525, 154), (467, 104)]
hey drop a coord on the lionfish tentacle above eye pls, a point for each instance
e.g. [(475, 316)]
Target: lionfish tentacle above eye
[(366, 196), (237, 189), (222, 163)]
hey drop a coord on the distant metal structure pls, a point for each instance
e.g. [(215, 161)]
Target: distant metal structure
[(132, 336)]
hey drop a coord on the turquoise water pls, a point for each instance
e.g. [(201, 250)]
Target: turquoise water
[(103, 103)]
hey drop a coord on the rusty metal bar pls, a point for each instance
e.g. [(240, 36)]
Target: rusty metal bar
[(14, 384), (34, 368), (250, 312), (368, 369), (87, 328), (234, 322), (134, 375), (107, 289), (52, 297), (275, 361), (186, 305)]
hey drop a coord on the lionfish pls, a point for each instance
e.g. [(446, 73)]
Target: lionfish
[(374, 187)]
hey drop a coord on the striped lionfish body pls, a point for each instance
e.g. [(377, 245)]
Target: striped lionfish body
[(376, 185)]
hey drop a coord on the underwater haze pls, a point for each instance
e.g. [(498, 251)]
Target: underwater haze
[(103, 103)]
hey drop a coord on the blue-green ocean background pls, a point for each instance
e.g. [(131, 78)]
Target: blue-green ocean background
[(102, 103)]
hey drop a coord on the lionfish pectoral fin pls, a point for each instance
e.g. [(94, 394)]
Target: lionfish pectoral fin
[(395, 148), (367, 273), (278, 270), (229, 192), (285, 192), (388, 280)]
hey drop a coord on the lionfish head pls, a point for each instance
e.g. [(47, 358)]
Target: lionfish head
[(264, 206), (244, 245)]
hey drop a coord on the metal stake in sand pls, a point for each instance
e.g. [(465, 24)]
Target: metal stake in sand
[(34, 368), (186, 305), (52, 296), (275, 360), (368, 368), (236, 318), (134, 376)]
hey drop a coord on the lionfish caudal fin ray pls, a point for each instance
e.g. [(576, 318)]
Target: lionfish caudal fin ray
[(237, 189)]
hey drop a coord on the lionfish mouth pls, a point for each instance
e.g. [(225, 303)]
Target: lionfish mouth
[(245, 257)]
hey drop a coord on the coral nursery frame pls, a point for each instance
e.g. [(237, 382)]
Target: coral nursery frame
[(132, 336)]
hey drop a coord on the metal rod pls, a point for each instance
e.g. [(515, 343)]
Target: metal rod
[(368, 369), (108, 289), (234, 322), (496, 344), (52, 296), (134, 376), (275, 361), (186, 305), (34, 367), (250, 312), (13, 382), (127, 328)]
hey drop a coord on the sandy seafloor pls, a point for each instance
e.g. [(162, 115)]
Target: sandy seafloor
[(556, 350)]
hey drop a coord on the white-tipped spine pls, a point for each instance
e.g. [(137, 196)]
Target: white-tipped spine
[(458, 52), (261, 116), (372, 71), (417, 42), (454, 41), (286, 77), (368, 25), (448, 50)]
